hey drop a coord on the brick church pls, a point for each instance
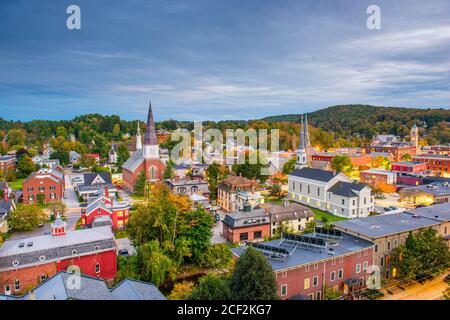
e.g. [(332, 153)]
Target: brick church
[(145, 158)]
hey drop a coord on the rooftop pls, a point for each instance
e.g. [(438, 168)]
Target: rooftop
[(439, 212), (407, 163), (347, 189), (378, 171), (435, 188), (300, 256), (384, 225), (242, 218), (313, 174)]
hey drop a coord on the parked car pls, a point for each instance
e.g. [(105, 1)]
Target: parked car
[(217, 216)]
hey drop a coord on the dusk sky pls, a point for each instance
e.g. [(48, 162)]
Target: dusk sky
[(217, 60)]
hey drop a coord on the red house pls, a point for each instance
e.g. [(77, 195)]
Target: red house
[(94, 156), (247, 225), (46, 182), (305, 265), (26, 262), (409, 167), (104, 205)]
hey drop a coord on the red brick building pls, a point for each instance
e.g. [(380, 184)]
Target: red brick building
[(358, 160), (25, 263), (397, 151), (247, 225), (304, 266), (408, 167), (145, 159), (49, 183), (437, 163), (104, 205)]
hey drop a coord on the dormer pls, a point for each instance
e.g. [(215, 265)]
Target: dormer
[(59, 227)]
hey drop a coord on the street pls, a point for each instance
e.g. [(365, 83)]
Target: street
[(430, 290), (217, 230), (70, 196)]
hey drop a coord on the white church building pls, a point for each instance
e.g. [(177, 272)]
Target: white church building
[(327, 190)]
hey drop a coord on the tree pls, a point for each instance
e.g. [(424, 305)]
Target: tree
[(26, 217), (155, 264), (214, 174), (57, 208), (141, 182), (342, 164), (289, 166), (87, 162), (16, 137), (310, 226), (122, 155), (330, 294), (253, 277), (423, 254), (168, 170), (217, 256), (62, 156), (40, 198), (406, 157), (181, 290), (26, 166), (211, 287), (275, 191)]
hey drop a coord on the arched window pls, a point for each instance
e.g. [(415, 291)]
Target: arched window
[(153, 173)]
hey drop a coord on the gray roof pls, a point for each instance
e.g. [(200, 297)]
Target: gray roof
[(407, 163), (3, 185), (313, 174), (346, 189), (300, 256), (436, 189), (7, 158), (55, 248), (61, 287), (150, 137), (185, 182), (5, 206), (385, 225), (240, 218), (90, 177), (439, 212), (129, 289), (134, 161)]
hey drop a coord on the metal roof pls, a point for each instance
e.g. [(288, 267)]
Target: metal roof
[(134, 161), (439, 212), (346, 189), (313, 174), (130, 289)]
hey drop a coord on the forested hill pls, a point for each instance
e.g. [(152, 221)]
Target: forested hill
[(366, 120)]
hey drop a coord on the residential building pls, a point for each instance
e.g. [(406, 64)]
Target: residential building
[(246, 225), (305, 265), (7, 205), (7, 164), (331, 192), (437, 163), (26, 262), (375, 177), (387, 232), (233, 191), (146, 159), (427, 194), (93, 183), (289, 217), (105, 205), (46, 185), (408, 167), (113, 152), (74, 157), (188, 186), (93, 156)]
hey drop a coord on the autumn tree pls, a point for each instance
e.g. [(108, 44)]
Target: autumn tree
[(342, 164), (26, 217), (181, 290), (214, 174), (26, 166)]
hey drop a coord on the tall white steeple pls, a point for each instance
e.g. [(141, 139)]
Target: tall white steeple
[(302, 155), (151, 148), (138, 137)]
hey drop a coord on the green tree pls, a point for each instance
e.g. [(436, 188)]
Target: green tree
[(156, 265), (310, 226), (40, 198), (217, 256), (211, 287), (17, 137), (168, 170), (330, 294), (26, 166), (181, 290), (342, 164), (62, 156), (122, 155), (26, 217), (61, 132), (253, 277), (275, 191), (406, 157), (423, 254), (289, 166), (214, 174), (139, 187)]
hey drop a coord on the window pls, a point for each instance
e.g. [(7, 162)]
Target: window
[(306, 283), (284, 290), (43, 277), (354, 202), (365, 200), (343, 201), (376, 248), (257, 234), (318, 191), (17, 285), (52, 188), (318, 295), (395, 243), (284, 274), (358, 268), (315, 281), (41, 189), (15, 263), (307, 268), (381, 261), (341, 259), (308, 189), (333, 276), (97, 267), (388, 245), (99, 210), (152, 173), (243, 236), (311, 296), (74, 252), (333, 262), (340, 273), (41, 258), (365, 265), (316, 266), (96, 248)]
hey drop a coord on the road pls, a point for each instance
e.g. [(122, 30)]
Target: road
[(70, 196), (430, 290), (392, 199), (217, 230)]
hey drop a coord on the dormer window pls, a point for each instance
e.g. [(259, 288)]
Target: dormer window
[(15, 263)]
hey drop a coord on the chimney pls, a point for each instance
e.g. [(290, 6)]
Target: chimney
[(32, 295)]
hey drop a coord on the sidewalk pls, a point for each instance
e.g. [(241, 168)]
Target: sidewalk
[(430, 290)]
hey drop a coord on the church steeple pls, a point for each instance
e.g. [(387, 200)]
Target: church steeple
[(302, 154), (151, 148), (138, 137)]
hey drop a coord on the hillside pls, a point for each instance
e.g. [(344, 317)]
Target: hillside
[(366, 120)]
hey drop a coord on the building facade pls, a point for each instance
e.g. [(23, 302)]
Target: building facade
[(228, 193), (246, 225), (44, 185), (437, 163), (7, 164), (409, 167)]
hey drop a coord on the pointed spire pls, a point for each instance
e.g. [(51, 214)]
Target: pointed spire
[(138, 137), (306, 132), (150, 133), (302, 134)]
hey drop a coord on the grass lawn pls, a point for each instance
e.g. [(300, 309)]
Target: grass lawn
[(319, 214), (16, 184), (137, 197)]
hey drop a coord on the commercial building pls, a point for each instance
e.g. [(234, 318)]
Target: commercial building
[(409, 167), (234, 191), (375, 177), (46, 185), (436, 192), (437, 163)]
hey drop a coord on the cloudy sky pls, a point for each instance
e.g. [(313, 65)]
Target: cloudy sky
[(220, 59)]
